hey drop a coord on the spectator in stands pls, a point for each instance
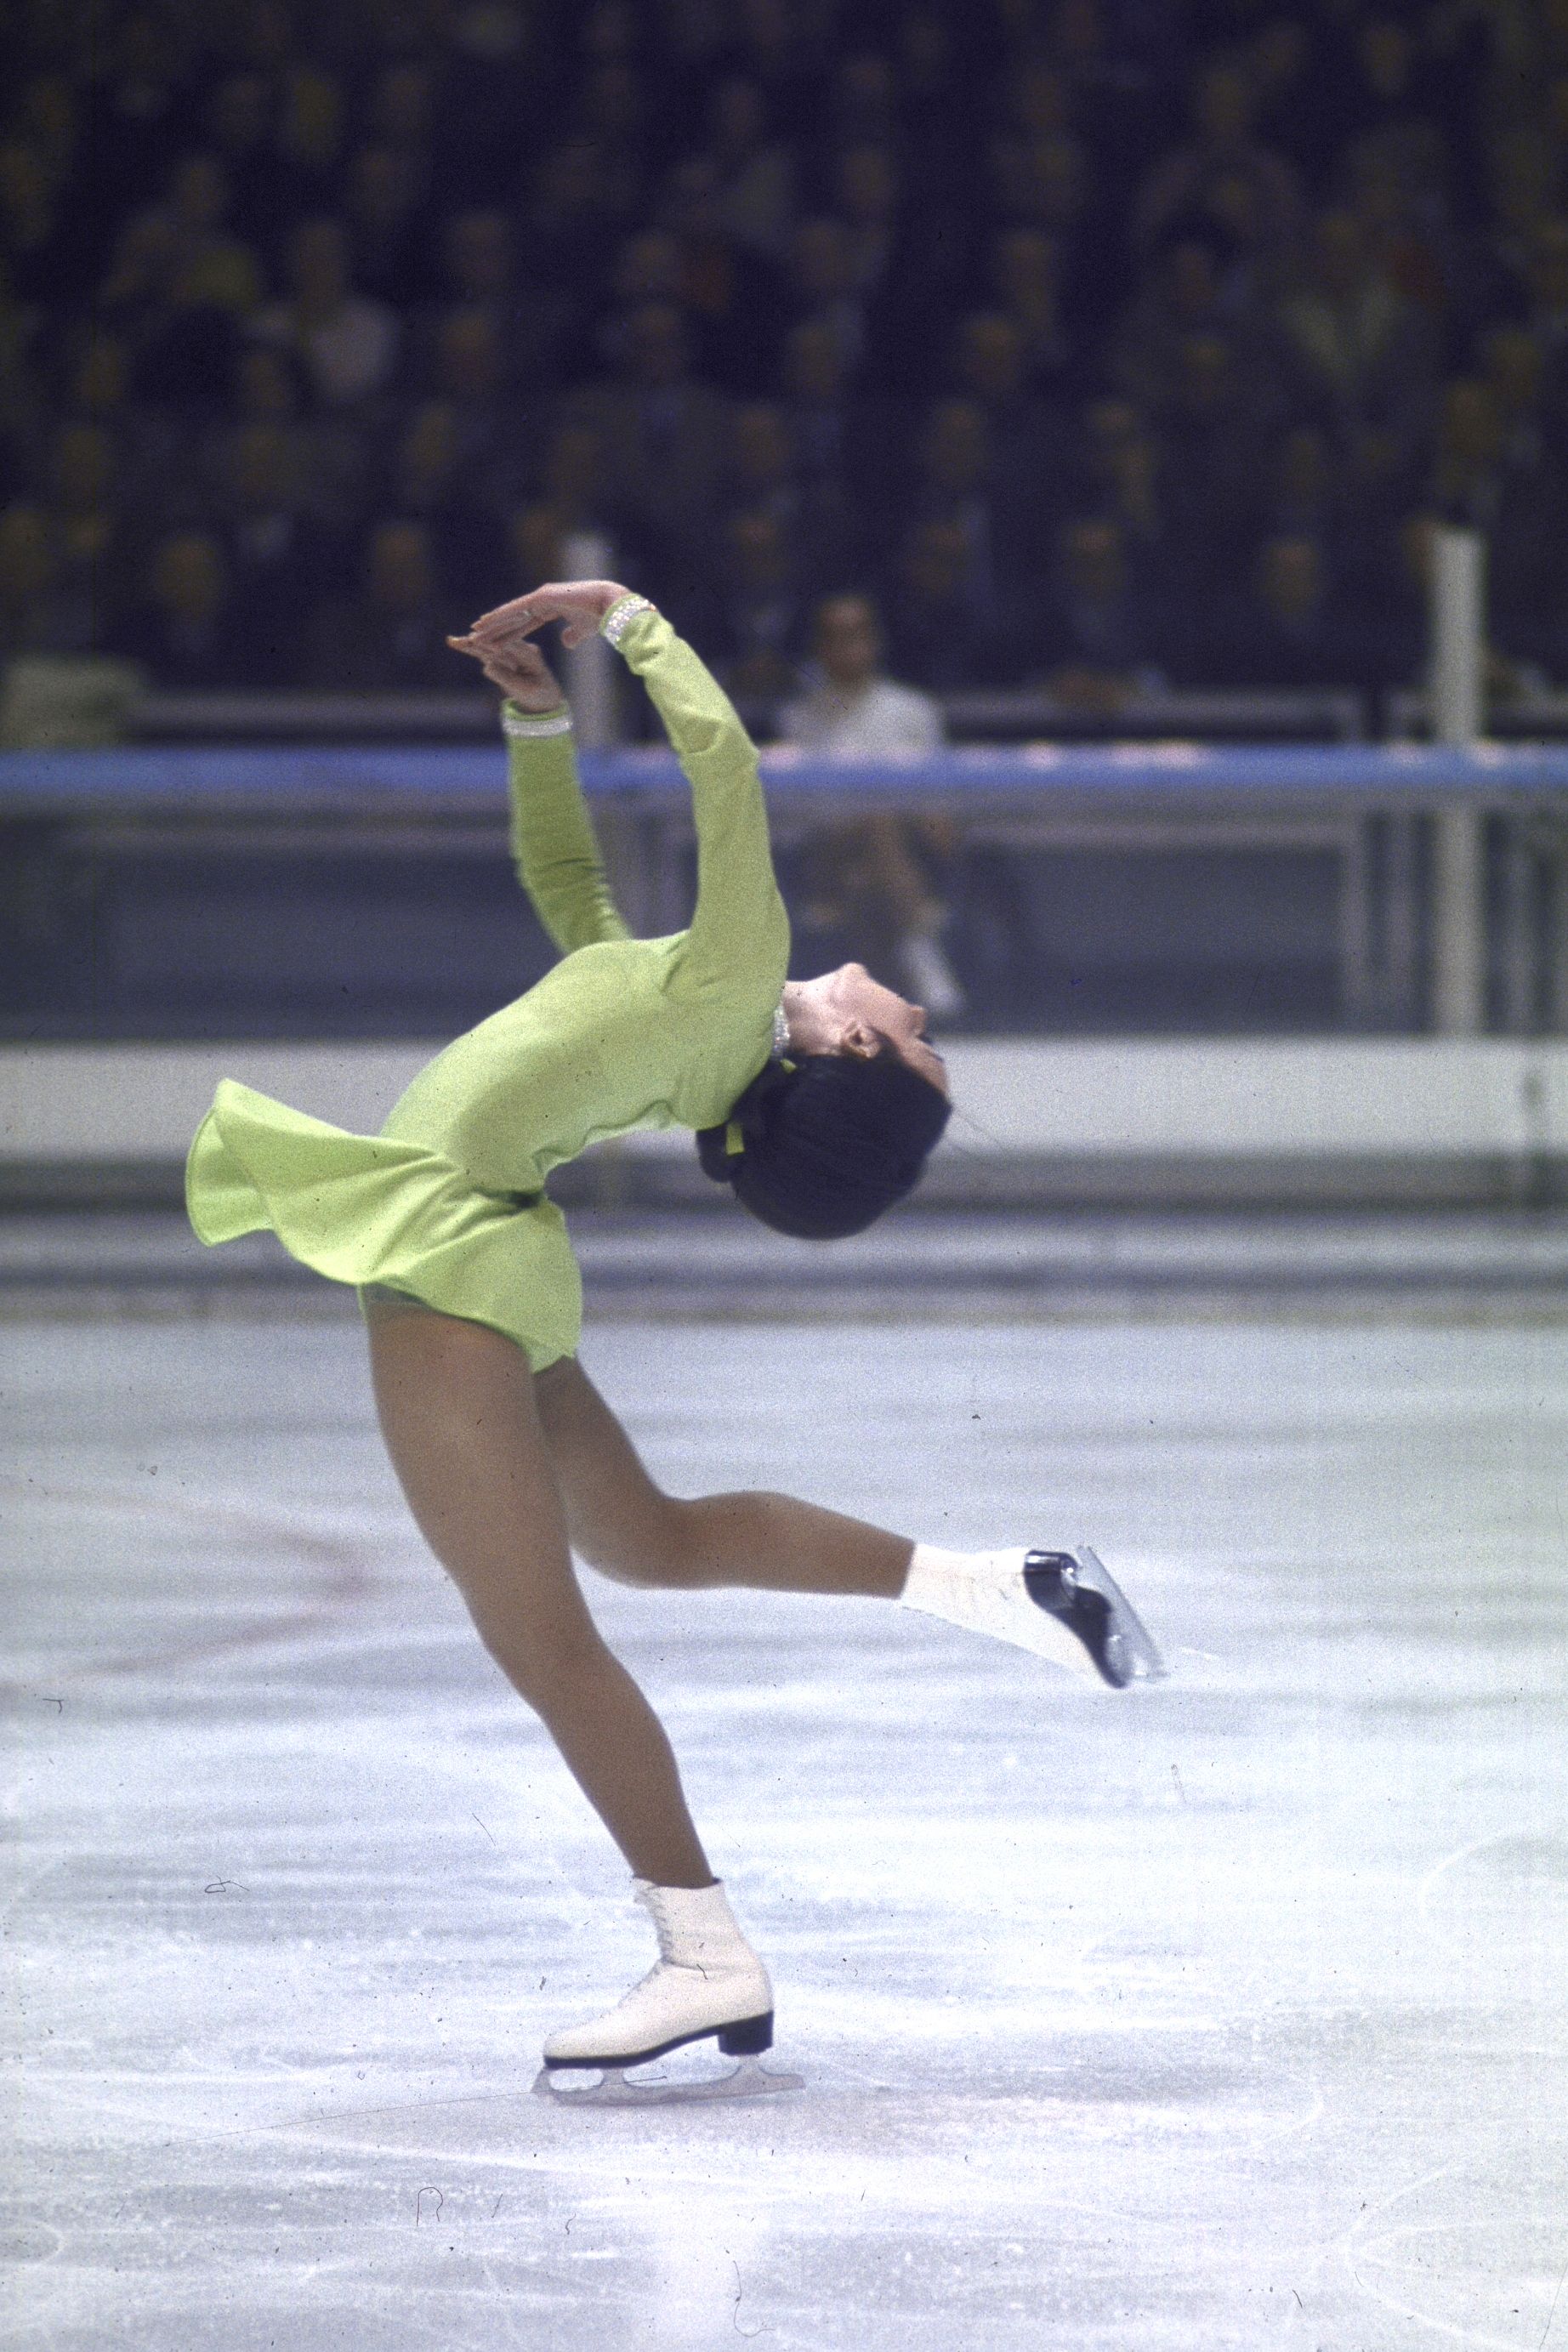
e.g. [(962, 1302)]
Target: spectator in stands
[(239, 122), (731, 296), (1508, 486), (752, 174), (1359, 354), (879, 879), (97, 380), (146, 444), (570, 497), (1284, 631), (37, 615), (137, 105), (468, 375), (1182, 295), (182, 629), (955, 482), (867, 194), (612, 117), (282, 557), (1043, 185), (392, 636), (1467, 482), (205, 267), (579, 212), (384, 213), (1516, 379), (400, 111), (328, 455), (528, 322), (1026, 277), (1306, 496), (89, 539), (1117, 474), (935, 637), (649, 267), (1100, 640), (1546, 316), (988, 369), (1192, 183), (1214, 432), (346, 341), (32, 219), (817, 407), (822, 289), (1386, 117), (860, 101), (662, 430), (1405, 233), (757, 623)]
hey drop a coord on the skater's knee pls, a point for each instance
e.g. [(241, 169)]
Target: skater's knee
[(546, 1669), (657, 1547)]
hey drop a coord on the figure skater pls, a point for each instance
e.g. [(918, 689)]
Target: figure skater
[(817, 1101)]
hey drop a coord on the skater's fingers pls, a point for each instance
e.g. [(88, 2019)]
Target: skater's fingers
[(581, 604)]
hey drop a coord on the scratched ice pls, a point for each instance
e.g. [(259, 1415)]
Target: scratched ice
[(1231, 2014)]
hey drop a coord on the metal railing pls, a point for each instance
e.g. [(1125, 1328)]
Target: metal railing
[(1329, 715)]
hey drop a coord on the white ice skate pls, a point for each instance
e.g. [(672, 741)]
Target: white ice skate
[(1062, 1605), (707, 1982)]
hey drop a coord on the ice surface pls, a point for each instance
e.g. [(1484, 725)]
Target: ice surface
[(1224, 2013)]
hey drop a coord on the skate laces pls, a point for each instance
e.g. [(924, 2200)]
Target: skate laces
[(648, 1896), (663, 1927)]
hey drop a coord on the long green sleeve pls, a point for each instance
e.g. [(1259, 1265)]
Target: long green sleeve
[(553, 845), (739, 927)]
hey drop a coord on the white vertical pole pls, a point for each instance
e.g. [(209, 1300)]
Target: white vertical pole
[(1459, 634), (1455, 689), (591, 666)]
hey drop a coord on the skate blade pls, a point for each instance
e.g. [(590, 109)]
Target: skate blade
[(614, 2089), (1131, 1648)]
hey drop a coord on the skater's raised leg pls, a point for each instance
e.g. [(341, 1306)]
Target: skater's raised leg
[(624, 1525), (1063, 1606)]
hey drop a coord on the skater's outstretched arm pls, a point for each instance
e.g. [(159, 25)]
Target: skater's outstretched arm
[(553, 845), (739, 927)]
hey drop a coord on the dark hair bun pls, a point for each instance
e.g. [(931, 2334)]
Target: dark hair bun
[(827, 1142)]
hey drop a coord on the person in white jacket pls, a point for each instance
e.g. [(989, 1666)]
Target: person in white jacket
[(852, 712)]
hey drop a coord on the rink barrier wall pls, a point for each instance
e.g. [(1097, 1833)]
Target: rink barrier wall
[(1450, 866), (1036, 1120), (184, 776)]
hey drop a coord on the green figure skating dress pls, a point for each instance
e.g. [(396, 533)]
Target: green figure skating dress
[(447, 1204)]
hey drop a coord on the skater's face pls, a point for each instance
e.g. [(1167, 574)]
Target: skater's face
[(848, 1011)]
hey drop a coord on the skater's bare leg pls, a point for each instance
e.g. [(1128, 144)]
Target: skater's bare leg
[(457, 1409), (624, 1525)]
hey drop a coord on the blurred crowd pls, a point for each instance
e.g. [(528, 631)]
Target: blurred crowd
[(1104, 344)]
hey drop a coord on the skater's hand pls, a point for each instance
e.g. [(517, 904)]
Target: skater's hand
[(579, 604), (519, 668)]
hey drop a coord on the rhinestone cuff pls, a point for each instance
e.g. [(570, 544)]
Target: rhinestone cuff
[(781, 1031), (522, 726), (620, 616)]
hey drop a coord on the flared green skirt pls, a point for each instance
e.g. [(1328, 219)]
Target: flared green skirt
[(369, 1209)]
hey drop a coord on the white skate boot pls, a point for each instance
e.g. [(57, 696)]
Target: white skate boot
[(707, 1981), (1062, 1605)]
